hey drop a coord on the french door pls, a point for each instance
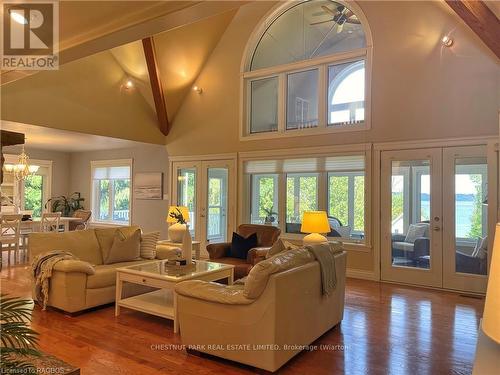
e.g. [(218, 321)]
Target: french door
[(434, 217), (207, 188)]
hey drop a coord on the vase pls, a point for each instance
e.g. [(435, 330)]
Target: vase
[(176, 232), (187, 246)]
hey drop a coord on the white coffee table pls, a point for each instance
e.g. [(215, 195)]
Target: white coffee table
[(163, 302)]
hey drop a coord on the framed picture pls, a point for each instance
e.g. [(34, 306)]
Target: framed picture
[(148, 185)]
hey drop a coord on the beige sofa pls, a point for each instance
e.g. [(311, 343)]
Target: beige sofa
[(80, 285), (238, 324)]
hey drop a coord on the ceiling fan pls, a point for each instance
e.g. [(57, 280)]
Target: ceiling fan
[(341, 15)]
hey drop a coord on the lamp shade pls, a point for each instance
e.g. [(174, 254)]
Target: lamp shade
[(315, 222), (174, 209), (491, 316)]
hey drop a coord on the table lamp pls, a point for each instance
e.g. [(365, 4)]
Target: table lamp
[(315, 223), (178, 217), (491, 316)]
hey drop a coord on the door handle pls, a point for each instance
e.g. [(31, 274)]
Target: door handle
[(202, 215), (436, 228)]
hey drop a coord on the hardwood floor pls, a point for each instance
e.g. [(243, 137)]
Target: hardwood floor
[(387, 329)]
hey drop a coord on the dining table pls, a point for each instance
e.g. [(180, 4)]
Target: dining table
[(33, 224)]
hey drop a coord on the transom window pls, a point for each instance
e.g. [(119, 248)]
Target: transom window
[(307, 72), (111, 194)]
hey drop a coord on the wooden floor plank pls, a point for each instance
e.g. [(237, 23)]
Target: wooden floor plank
[(387, 329)]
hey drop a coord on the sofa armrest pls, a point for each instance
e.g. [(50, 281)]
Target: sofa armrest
[(257, 254), (398, 238), (71, 265), (218, 250), (421, 247), (213, 292), (167, 252), (468, 264)]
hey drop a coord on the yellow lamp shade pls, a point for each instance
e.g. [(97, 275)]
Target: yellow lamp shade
[(491, 316), (175, 209), (315, 222)]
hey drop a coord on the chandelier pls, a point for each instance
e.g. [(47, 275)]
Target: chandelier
[(22, 169)]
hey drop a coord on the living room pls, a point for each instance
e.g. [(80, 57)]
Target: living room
[(237, 136)]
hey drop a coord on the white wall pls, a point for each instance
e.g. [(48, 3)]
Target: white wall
[(148, 214)]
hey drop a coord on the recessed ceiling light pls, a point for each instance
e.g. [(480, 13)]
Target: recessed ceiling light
[(447, 41), (198, 89)]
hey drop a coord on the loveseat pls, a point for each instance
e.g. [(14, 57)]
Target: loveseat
[(268, 320), (78, 285)]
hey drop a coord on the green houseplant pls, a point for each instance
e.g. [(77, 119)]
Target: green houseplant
[(66, 205), (18, 340)]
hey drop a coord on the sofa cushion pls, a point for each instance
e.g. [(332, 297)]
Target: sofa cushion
[(279, 246), (241, 245), (105, 237), (125, 248), (105, 274), (148, 245), (415, 231), (82, 243), (259, 275)]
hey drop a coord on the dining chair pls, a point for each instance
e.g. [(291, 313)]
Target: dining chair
[(84, 216), (50, 222), (9, 234)]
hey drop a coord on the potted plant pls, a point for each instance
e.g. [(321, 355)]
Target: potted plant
[(270, 218), (66, 205), (18, 341)]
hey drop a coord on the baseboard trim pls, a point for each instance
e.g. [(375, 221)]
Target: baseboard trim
[(361, 274)]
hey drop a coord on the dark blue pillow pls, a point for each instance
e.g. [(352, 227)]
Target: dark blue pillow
[(241, 245)]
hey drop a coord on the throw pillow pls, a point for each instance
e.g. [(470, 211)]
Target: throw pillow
[(415, 231), (148, 245), (279, 246), (124, 249), (241, 245)]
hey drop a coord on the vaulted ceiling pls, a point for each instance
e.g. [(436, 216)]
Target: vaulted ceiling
[(100, 50)]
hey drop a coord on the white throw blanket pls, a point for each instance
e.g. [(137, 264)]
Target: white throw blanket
[(41, 271), (326, 259)]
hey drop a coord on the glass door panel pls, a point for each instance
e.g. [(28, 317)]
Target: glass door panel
[(186, 194), (411, 217), (410, 209), (217, 205), (466, 241)]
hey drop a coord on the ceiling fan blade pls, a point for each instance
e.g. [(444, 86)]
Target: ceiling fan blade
[(328, 10), (319, 23)]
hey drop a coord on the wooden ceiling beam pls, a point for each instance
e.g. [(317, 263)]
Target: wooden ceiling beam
[(156, 86), (481, 19), (11, 138)]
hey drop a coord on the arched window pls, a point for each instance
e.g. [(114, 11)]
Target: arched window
[(304, 71)]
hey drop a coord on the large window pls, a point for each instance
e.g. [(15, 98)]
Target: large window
[(111, 195), (306, 70), (335, 184)]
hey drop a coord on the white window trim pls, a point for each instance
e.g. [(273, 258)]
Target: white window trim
[(111, 163), (246, 75), (19, 187), (321, 151)]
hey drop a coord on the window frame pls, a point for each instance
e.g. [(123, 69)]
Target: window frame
[(107, 164), (322, 63), (363, 245)]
